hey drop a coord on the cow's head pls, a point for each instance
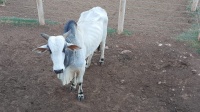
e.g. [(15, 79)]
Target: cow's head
[(57, 46)]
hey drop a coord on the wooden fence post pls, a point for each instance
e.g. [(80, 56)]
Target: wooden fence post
[(122, 8), (40, 12), (199, 37), (194, 5)]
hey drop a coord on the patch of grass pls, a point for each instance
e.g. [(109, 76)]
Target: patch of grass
[(127, 33), (23, 21), (30, 22), (190, 37), (112, 31), (2, 1), (188, 8)]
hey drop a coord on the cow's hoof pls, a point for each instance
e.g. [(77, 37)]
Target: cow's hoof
[(80, 97), (101, 61), (87, 66)]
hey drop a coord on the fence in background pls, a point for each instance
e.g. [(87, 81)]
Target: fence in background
[(137, 17), (159, 16), (122, 7), (40, 12), (194, 8)]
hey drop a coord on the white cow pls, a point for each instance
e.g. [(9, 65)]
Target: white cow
[(78, 43)]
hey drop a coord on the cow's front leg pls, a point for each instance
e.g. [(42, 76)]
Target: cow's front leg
[(80, 83), (73, 83), (80, 92)]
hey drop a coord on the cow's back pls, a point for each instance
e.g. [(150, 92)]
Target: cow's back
[(93, 14), (91, 26)]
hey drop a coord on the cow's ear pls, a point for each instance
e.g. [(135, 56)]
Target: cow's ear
[(41, 49), (73, 47)]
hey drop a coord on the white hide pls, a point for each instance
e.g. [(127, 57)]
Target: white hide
[(92, 25), (91, 31), (56, 45), (71, 72)]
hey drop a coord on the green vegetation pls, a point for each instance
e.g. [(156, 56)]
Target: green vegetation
[(2, 1), (188, 8), (31, 22), (112, 31), (23, 21), (190, 37), (127, 33)]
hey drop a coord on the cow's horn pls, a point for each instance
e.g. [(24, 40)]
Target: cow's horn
[(45, 36), (66, 34)]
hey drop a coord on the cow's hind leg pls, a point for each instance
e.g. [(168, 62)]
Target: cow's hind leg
[(99, 48), (103, 43), (88, 62), (102, 48)]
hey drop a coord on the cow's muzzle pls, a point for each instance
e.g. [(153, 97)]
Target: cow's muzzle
[(58, 71)]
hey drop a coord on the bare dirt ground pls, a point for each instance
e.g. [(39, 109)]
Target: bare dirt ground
[(158, 74)]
